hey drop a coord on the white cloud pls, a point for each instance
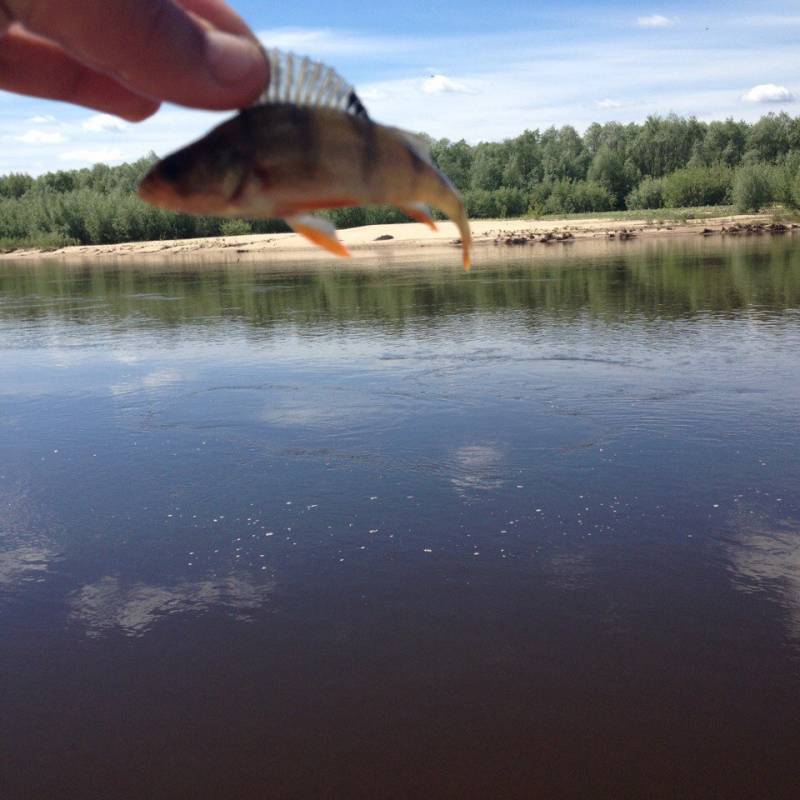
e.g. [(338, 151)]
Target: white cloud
[(436, 84), (656, 21), (41, 119), (768, 93), (92, 155), (372, 93), (35, 136), (772, 20), (322, 42), (103, 123), (608, 103)]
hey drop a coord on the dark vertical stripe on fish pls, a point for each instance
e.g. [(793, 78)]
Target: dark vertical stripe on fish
[(366, 132), (307, 138), (248, 147)]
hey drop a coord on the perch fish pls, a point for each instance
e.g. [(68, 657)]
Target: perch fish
[(306, 144)]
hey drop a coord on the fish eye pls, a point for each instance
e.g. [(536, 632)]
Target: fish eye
[(174, 166)]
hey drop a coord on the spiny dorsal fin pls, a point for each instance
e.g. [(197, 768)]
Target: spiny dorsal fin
[(299, 80)]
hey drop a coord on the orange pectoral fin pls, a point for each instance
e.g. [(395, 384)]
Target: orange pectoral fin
[(319, 231), (420, 213)]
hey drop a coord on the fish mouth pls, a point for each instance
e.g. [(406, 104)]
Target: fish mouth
[(156, 191)]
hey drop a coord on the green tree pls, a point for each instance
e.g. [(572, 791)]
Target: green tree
[(751, 188), (698, 186), (610, 169), (772, 137), (564, 155), (648, 194), (487, 166), (15, 185), (455, 160)]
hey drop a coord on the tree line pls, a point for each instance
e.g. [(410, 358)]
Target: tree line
[(665, 162)]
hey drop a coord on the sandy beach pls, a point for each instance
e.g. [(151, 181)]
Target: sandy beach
[(412, 239)]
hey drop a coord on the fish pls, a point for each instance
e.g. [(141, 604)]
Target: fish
[(305, 145)]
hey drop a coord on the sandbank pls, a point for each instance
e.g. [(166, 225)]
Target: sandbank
[(406, 240)]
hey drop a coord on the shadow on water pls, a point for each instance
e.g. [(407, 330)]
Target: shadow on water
[(401, 531)]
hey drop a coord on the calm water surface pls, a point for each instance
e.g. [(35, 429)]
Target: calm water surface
[(331, 531)]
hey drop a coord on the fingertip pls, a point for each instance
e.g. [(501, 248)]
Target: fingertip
[(140, 111), (236, 61)]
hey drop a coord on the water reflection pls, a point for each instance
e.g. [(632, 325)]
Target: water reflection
[(478, 467), (765, 558), (24, 564), (155, 379), (106, 605), (663, 279), (28, 534)]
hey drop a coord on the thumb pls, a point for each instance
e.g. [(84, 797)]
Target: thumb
[(155, 47)]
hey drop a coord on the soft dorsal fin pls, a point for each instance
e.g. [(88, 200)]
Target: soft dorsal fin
[(299, 80), (416, 143)]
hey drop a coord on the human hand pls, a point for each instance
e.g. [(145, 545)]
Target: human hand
[(126, 56)]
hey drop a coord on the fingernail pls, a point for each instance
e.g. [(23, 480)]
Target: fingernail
[(232, 58)]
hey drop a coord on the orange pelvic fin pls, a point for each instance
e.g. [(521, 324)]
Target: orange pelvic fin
[(420, 213), (319, 231)]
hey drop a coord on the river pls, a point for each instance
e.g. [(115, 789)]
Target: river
[(397, 530)]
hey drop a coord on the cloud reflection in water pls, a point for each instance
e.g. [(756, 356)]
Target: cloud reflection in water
[(27, 539), (107, 605), (478, 468), (765, 557)]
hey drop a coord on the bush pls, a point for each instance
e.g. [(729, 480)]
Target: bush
[(577, 197), (235, 227), (383, 215), (698, 186), (648, 194), (752, 188), (503, 202), (480, 203), (781, 180), (350, 217)]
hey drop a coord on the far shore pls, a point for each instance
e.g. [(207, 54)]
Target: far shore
[(413, 239)]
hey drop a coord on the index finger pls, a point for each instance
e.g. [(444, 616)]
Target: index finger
[(156, 47)]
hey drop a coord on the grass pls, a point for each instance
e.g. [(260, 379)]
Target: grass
[(651, 214), (786, 215), (37, 241)]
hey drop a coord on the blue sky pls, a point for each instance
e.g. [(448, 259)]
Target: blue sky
[(476, 70)]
